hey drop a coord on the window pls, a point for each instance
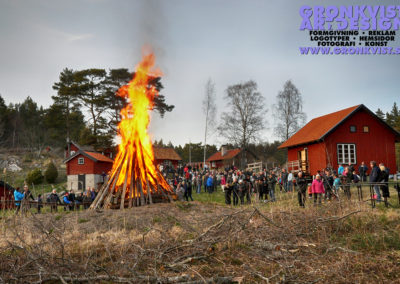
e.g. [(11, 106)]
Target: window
[(346, 153), (81, 161), (366, 129), (353, 128)]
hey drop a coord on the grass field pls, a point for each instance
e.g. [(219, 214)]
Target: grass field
[(206, 241)]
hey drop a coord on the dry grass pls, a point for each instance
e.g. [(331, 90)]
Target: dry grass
[(202, 242)]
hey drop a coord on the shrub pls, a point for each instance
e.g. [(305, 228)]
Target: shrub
[(51, 173), (35, 176)]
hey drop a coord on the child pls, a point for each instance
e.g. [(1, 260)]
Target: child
[(336, 184), (318, 189)]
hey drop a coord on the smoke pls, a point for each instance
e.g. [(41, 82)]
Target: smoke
[(153, 29)]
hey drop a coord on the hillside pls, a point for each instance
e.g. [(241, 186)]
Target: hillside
[(19, 162)]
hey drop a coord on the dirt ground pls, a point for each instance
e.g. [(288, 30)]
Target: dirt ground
[(204, 243)]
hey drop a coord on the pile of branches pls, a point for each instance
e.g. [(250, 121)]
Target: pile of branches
[(178, 243)]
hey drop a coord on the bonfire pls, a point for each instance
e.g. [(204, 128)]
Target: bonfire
[(134, 179)]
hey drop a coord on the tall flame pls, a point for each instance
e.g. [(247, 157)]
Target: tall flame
[(134, 164)]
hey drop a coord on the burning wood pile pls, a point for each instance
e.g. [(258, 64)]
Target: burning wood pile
[(134, 179)]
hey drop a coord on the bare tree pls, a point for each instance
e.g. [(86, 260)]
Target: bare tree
[(210, 110), (289, 111), (244, 121)]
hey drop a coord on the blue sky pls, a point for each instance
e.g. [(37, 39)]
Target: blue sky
[(227, 41)]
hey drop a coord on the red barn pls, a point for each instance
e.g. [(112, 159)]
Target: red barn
[(87, 169), (6, 196), (352, 135), (166, 157)]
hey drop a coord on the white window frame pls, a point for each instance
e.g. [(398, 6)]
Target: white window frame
[(81, 161), (345, 158)]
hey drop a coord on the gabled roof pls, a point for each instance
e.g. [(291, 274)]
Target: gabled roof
[(84, 148), (161, 153), (229, 155), (318, 128), (97, 157)]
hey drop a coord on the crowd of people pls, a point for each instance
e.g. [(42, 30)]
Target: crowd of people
[(24, 200), (241, 186)]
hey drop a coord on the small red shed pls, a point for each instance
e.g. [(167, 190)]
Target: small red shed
[(226, 158), (351, 135), (6, 195), (166, 157), (87, 169)]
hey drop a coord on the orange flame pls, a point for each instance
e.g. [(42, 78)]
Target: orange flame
[(134, 163)]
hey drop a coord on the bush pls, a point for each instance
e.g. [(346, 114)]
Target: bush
[(35, 176), (51, 173)]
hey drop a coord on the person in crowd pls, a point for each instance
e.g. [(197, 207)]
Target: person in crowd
[(87, 199), (290, 181), (228, 189), (92, 194), (67, 203), (235, 192), (25, 205), (348, 177), (301, 183), (54, 199), (351, 167), (384, 183), (223, 182), (284, 176), (39, 203), (71, 197), (180, 191), (336, 184), (199, 181), (362, 170), (241, 191), (210, 184), (374, 179), (204, 181), (18, 196), (271, 181), (265, 188), (188, 190), (248, 188), (328, 184), (259, 188), (317, 189), (79, 200), (340, 170)]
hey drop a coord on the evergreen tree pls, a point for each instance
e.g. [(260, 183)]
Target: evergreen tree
[(66, 100), (380, 114), (51, 173)]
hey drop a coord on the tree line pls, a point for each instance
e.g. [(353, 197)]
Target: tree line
[(85, 109)]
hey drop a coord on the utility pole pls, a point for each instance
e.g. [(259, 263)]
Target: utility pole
[(190, 152)]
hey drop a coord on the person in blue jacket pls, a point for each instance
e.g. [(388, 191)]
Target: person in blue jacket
[(209, 184), (18, 196), (67, 202)]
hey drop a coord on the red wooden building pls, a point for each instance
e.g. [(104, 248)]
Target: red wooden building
[(166, 157), (6, 195), (235, 157), (352, 135), (87, 169)]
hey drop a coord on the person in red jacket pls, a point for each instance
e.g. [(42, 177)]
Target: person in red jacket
[(317, 189)]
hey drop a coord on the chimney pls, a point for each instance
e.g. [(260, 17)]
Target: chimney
[(224, 150)]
